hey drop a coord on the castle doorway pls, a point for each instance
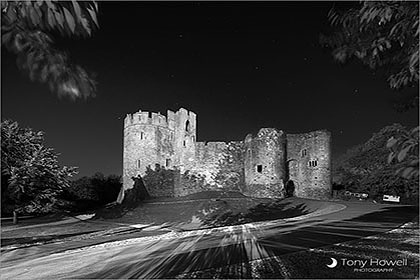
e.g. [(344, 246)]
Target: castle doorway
[(290, 188)]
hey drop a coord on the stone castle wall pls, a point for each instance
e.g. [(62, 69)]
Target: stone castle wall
[(218, 166), (264, 163), (309, 163), (259, 166)]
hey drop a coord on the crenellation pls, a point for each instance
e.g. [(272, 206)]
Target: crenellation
[(262, 165), (170, 119), (158, 119), (149, 118), (128, 120)]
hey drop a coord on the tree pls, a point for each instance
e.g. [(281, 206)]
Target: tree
[(405, 149), (384, 34), (97, 189), (365, 168), (26, 30), (31, 177), (379, 33)]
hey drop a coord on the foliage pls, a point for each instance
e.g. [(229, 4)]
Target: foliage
[(365, 168), (135, 195), (32, 179), (379, 33), (384, 33), (194, 183), (405, 149), (160, 181), (384, 181), (26, 28), (96, 190)]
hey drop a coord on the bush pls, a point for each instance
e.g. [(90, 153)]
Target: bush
[(90, 192), (160, 182)]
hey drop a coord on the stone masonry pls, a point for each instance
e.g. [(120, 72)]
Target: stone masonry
[(260, 166)]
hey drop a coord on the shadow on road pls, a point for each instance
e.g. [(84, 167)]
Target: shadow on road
[(234, 254), (261, 212)]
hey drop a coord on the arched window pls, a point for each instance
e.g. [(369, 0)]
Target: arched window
[(304, 152), (138, 163), (141, 135), (187, 126)]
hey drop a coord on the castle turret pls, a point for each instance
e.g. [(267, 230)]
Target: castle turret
[(148, 140), (185, 139), (265, 163)]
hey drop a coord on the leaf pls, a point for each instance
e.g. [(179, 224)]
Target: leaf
[(403, 153), (407, 172), (59, 17), (50, 5), (69, 20), (391, 142), (93, 16), (50, 19), (85, 24), (77, 10), (391, 157), (5, 38), (33, 16), (10, 14)]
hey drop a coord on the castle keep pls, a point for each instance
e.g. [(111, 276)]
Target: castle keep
[(268, 164)]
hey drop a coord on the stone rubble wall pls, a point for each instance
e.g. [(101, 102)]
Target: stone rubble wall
[(265, 163), (310, 181)]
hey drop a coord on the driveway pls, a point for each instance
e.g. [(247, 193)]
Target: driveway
[(175, 253)]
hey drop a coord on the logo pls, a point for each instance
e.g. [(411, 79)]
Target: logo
[(369, 265), (333, 264)]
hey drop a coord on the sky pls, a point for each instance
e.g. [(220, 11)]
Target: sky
[(239, 66)]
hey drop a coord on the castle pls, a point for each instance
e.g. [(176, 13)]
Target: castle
[(269, 164)]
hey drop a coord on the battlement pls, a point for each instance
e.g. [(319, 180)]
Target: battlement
[(183, 111), (151, 118), (308, 135), (209, 144), (264, 133)]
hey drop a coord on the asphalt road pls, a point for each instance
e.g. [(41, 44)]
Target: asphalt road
[(174, 253)]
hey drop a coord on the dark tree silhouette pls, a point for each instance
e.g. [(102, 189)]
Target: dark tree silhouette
[(26, 30)]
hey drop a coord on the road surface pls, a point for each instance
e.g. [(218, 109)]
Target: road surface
[(175, 253)]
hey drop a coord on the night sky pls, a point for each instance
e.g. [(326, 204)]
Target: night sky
[(239, 66)]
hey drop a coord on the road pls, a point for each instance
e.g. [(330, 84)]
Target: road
[(176, 253)]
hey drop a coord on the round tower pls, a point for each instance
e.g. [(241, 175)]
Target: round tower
[(265, 161), (148, 140)]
